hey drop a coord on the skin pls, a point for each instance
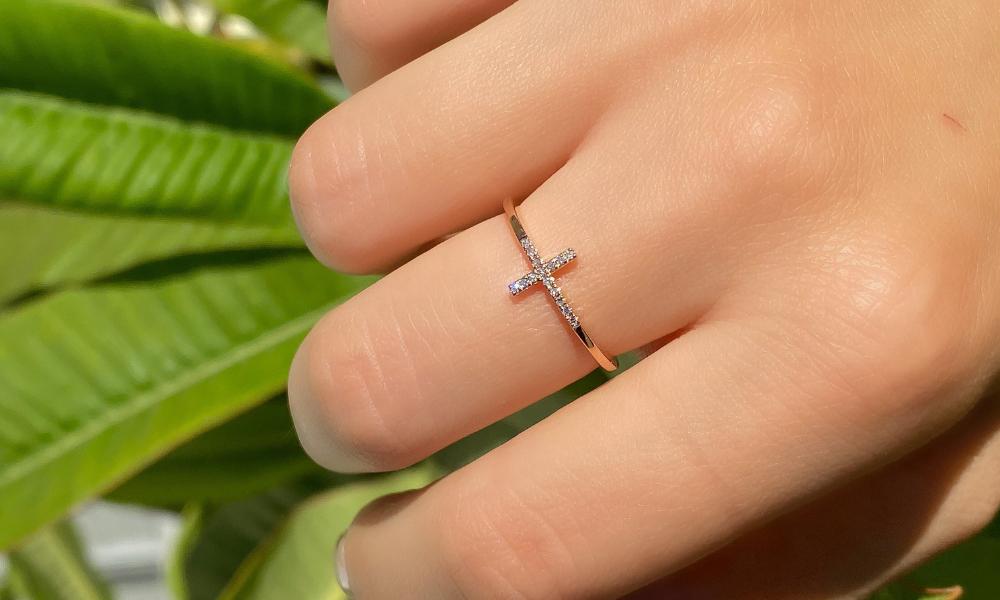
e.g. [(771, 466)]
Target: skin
[(794, 203)]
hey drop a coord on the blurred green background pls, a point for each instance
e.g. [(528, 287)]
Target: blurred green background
[(153, 289)]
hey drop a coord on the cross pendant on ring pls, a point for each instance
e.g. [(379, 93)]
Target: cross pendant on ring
[(542, 272)]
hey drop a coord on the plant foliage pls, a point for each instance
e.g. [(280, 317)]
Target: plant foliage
[(153, 290)]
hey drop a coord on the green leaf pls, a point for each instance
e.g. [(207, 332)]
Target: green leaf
[(214, 467), (92, 191), (298, 23), (7, 588), (994, 528), (46, 248), (73, 156), (219, 539), (937, 596), (336, 88), (469, 449), (51, 566), (298, 561), (472, 447), (117, 57), (97, 382), (973, 565), (191, 523)]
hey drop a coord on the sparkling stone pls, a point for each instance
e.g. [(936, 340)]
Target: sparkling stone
[(542, 271)]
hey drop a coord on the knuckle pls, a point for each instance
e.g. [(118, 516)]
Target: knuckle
[(330, 186), (903, 314), (348, 381), (775, 130), (496, 547)]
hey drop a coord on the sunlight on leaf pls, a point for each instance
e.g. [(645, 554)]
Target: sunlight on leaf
[(122, 58), (96, 383), (298, 23), (218, 539), (298, 561)]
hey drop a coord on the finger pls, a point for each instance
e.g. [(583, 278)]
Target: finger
[(855, 540), (436, 146), (723, 429), (439, 348), (371, 38)]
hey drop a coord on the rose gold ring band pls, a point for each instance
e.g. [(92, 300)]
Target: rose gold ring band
[(542, 272)]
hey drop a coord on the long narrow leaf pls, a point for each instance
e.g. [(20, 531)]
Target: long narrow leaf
[(297, 562), (116, 57), (469, 449), (95, 383), (73, 156), (89, 191), (52, 566), (44, 248), (248, 455), (219, 539), (297, 559)]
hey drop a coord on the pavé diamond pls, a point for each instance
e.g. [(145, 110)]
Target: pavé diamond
[(543, 272)]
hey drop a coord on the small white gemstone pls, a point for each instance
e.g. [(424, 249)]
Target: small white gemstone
[(542, 272)]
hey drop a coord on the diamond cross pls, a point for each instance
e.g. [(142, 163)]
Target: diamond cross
[(542, 272)]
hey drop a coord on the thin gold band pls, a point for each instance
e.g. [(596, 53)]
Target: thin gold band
[(542, 272)]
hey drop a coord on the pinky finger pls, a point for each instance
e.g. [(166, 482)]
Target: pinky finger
[(851, 542)]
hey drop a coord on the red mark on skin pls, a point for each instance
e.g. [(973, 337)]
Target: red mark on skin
[(954, 122)]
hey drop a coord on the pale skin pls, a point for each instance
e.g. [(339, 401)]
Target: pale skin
[(792, 206)]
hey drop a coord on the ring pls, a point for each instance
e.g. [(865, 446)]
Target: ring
[(542, 271)]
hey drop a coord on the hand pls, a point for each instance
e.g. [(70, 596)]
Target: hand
[(791, 205)]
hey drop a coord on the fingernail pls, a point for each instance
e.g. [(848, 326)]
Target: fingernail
[(342, 579)]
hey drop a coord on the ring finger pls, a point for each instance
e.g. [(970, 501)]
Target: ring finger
[(438, 348)]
